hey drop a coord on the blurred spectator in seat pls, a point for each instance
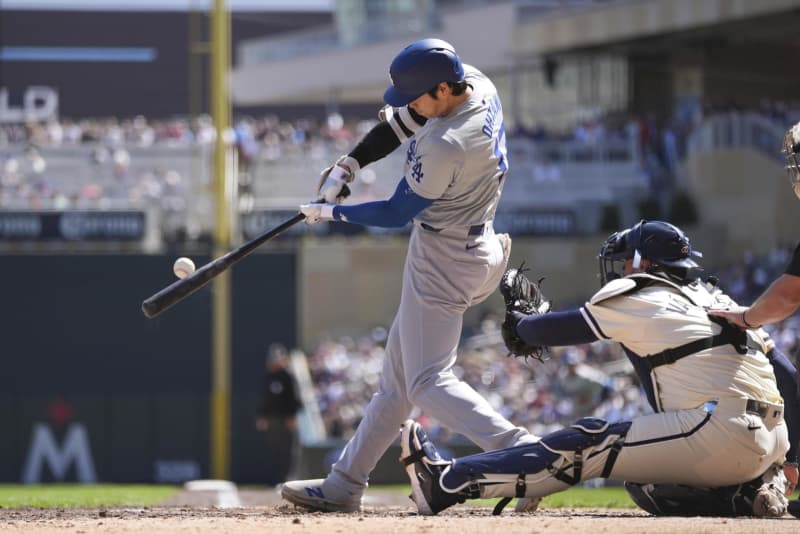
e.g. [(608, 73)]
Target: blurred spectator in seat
[(246, 144), (277, 415), (547, 171), (580, 385)]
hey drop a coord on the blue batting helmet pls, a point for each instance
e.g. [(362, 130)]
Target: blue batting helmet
[(419, 67)]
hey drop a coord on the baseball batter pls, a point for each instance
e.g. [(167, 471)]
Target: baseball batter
[(719, 413), (455, 168)]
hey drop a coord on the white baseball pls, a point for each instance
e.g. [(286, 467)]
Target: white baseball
[(183, 267)]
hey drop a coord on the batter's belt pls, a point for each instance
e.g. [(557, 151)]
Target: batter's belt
[(457, 231)]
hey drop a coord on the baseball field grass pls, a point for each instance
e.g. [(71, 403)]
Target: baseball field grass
[(82, 495), (115, 495), (578, 497), (133, 509)]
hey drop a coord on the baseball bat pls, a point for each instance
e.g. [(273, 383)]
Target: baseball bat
[(179, 290)]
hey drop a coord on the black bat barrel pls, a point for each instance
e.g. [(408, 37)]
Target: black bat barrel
[(181, 289)]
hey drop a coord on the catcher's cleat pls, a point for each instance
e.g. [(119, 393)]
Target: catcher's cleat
[(527, 505), (314, 494), (769, 502), (424, 468)]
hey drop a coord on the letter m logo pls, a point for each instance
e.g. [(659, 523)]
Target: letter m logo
[(45, 450)]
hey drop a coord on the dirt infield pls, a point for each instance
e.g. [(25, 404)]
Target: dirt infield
[(264, 512)]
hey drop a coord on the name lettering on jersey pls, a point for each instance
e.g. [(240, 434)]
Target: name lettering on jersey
[(495, 127), (414, 161), (494, 109), (679, 305)]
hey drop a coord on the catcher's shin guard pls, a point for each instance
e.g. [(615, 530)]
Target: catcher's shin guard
[(587, 449)]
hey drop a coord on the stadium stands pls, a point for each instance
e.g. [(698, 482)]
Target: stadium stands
[(164, 166)]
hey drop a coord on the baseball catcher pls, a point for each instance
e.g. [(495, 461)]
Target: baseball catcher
[(522, 298), (717, 416)]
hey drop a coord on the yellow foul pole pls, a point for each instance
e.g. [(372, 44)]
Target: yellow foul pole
[(221, 355)]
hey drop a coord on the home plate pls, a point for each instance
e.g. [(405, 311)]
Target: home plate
[(227, 496)]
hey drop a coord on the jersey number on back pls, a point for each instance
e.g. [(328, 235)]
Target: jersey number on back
[(495, 127)]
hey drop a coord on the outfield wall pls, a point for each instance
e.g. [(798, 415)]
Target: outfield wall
[(91, 389)]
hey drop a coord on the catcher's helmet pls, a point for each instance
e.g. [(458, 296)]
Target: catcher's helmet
[(791, 149), (664, 244), (419, 67)]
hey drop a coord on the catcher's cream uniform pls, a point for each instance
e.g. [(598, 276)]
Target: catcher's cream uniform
[(719, 416), (454, 261), (703, 433)]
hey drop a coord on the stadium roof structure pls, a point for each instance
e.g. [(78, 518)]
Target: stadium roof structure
[(166, 5), (358, 73), (313, 66)]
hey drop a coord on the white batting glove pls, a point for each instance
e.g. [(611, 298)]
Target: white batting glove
[(317, 212), (334, 179)]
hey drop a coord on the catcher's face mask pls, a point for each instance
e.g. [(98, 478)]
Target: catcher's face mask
[(613, 251), (791, 149)]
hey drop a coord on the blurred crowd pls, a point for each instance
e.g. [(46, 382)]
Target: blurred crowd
[(540, 395), (750, 277), (659, 143), (110, 162), (136, 163), (571, 382), (140, 131)]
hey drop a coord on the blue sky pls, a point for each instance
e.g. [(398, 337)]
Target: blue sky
[(168, 5)]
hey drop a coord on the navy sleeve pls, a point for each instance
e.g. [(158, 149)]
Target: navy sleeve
[(379, 142), (393, 213), (556, 329), (789, 386)]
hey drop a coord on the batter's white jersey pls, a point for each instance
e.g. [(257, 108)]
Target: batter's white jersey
[(460, 159)]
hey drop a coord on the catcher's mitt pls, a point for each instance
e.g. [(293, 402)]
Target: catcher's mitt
[(522, 298)]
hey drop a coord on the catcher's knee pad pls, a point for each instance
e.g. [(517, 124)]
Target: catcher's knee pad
[(586, 449)]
